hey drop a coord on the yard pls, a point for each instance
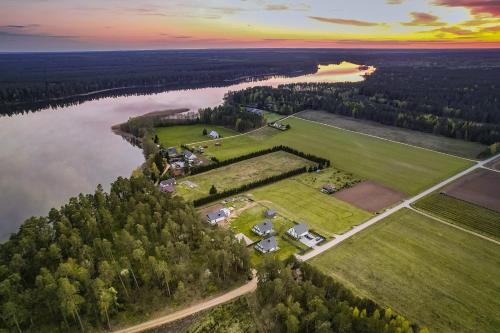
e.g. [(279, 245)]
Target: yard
[(174, 136), (438, 276), (302, 203), (388, 163), (237, 174), (462, 213)]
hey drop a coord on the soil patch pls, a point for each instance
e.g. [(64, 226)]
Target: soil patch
[(480, 188), (370, 196)]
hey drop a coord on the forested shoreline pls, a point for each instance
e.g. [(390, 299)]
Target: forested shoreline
[(103, 257)]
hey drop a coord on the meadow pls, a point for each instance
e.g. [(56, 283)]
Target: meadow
[(420, 139), (434, 274), (462, 213), (391, 164), (175, 136), (299, 202), (237, 174)]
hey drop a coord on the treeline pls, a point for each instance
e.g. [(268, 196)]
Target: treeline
[(296, 297), (322, 162), (105, 256), (460, 103), (231, 116), (247, 187)]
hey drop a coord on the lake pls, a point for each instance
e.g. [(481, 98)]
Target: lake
[(48, 156)]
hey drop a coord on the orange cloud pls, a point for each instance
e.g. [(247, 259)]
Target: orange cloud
[(345, 21), (475, 6), (423, 19)]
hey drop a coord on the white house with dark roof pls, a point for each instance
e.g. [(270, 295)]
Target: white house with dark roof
[(298, 230), (189, 156), (267, 245), (218, 216), (213, 135), (168, 185), (172, 152), (264, 228)]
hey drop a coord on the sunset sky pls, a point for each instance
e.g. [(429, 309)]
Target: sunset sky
[(57, 25)]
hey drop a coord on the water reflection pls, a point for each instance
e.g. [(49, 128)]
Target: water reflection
[(48, 156)]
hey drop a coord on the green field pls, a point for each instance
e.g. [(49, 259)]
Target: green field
[(421, 139), (302, 203), (434, 274), (403, 168), (462, 213), (237, 174), (174, 136)]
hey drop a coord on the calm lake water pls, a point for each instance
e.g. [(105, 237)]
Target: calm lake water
[(48, 156)]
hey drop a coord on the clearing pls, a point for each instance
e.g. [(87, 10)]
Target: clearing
[(174, 136), (370, 196), (240, 173), (388, 163), (480, 187), (438, 276), (420, 139), (298, 202), (462, 213)]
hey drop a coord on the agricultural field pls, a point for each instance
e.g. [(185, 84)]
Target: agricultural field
[(462, 213), (434, 274), (480, 187), (298, 202), (237, 174), (174, 136), (443, 144), (388, 163)]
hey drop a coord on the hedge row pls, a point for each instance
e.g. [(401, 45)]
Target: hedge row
[(322, 162), (247, 187)]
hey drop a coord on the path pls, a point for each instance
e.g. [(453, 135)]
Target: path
[(205, 305), (405, 204)]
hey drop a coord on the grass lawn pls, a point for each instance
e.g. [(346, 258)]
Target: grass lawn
[(174, 136), (237, 174), (421, 139), (462, 213), (436, 275), (403, 168), (302, 203)]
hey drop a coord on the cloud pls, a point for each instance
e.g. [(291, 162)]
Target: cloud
[(283, 7), (457, 31), (394, 2), (345, 21), (277, 7), (475, 6), (423, 19)]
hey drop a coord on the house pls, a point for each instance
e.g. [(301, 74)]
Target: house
[(171, 152), (178, 168), (218, 216), (297, 231), (264, 228), (270, 213), (328, 189), (189, 156), (267, 245), (167, 186), (213, 135), (254, 111)]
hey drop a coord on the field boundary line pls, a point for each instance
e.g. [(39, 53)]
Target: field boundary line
[(435, 218), (484, 167), (381, 138), (235, 136)]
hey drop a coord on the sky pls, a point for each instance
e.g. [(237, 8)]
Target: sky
[(67, 25)]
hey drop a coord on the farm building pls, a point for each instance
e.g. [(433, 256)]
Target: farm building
[(328, 189), (254, 111), (267, 245), (167, 186), (218, 216), (270, 213), (297, 231), (264, 228), (171, 152), (189, 156), (213, 135)]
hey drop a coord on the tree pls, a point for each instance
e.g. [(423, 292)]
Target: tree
[(205, 132), (213, 190), (69, 300)]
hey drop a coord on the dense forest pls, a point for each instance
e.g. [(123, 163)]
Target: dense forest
[(295, 297), (33, 81), (104, 257), (461, 103)]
